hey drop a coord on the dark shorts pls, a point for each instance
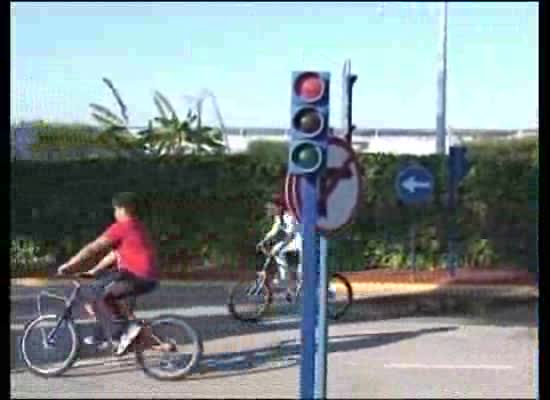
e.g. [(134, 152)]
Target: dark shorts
[(116, 285), (110, 287)]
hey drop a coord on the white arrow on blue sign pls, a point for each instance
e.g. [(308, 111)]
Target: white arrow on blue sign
[(414, 184)]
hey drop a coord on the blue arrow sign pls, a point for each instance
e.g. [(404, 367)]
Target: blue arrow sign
[(414, 184)]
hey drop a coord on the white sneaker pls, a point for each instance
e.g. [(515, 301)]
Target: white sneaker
[(127, 338), (93, 340), (89, 340), (105, 345), (100, 344)]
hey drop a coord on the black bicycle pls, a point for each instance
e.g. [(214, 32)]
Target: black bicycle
[(167, 348), (249, 301)]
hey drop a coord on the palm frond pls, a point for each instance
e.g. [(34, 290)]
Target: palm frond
[(165, 122), (160, 108), (102, 119), (166, 103), (106, 113), (123, 109)]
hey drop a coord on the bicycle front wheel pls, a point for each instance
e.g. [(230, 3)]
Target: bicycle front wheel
[(248, 300), (340, 296), (49, 346), (168, 348)]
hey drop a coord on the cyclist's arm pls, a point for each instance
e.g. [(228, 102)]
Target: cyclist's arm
[(106, 262), (273, 231), (99, 245)]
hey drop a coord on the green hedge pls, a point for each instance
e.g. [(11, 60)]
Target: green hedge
[(212, 206)]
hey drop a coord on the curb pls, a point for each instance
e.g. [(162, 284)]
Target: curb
[(360, 289), (43, 282)]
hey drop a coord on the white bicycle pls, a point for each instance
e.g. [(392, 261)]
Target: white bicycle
[(249, 300)]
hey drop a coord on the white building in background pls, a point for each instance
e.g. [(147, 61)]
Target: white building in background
[(393, 141)]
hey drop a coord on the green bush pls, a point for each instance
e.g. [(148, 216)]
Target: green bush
[(26, 255), (211, 207), (273, 153)]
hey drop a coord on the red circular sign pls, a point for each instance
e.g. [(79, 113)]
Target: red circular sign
[(293, 189)]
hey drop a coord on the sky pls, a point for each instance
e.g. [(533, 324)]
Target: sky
[(245, 52)]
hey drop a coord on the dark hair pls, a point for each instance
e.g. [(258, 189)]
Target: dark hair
[(127, 200)]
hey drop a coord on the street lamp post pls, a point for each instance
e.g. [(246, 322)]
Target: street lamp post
[(441, 118)]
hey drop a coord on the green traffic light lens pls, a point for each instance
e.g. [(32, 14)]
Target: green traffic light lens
[(307, 156), (309, 121)]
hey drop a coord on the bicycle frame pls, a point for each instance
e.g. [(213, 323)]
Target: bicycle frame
[(69, 304), (67, 312), (262, 276)]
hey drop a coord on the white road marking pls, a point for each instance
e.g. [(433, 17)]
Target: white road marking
[(279, 321), (26, 317), (447, 366)]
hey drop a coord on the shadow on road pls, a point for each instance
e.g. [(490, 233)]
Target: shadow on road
[(213, 327), (284, 355)]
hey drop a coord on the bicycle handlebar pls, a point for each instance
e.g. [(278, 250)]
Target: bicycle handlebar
[(75, 277)]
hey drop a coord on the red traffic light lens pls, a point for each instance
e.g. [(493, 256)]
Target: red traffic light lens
[(309, 121), (309, 86)]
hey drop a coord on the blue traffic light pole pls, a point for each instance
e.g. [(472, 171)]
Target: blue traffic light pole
[(307, 159), (322, 328), (310, 286)]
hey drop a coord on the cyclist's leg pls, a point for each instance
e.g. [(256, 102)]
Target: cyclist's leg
[(280, 258), (92, 295), (103, 278), (117, 290), (293, 273), (128, 285)]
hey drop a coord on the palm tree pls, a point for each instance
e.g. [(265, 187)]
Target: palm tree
[(165, 135), (173, 136), (115, 134)]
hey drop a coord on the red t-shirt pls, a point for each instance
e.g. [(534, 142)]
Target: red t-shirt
[(136, 251)]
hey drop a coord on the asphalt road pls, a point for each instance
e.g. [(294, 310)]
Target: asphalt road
[(489, 356)]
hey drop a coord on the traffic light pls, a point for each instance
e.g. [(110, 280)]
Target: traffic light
[(309, 122), (349, 82)]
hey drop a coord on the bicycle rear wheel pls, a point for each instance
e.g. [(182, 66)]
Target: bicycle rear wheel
[(49, 358), (168, 348), (340, 296), (248, 300)]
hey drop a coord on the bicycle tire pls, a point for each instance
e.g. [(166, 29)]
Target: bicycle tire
[(262, 308), (182, 371), (70, 359), (339, 313)]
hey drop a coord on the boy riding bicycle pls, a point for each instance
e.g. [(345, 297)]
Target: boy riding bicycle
[(134, 254), (286, 232)]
